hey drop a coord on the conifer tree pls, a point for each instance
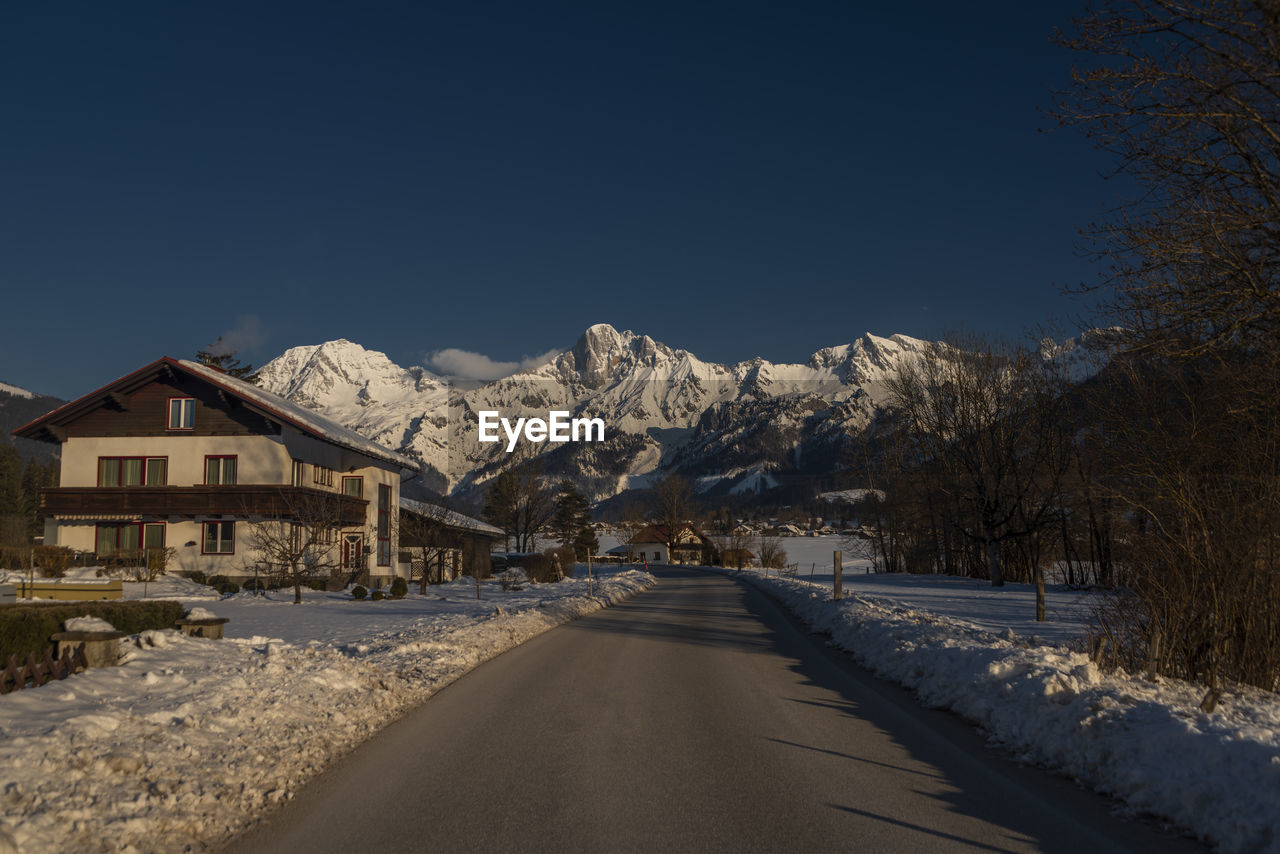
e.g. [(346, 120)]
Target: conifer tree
[(571, 522), (217, 356)]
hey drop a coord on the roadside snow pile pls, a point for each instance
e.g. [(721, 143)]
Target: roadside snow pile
[(1145, 743), (190, 741), (87, 624)]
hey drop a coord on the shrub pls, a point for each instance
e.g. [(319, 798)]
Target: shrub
[(537, 567), (513, 579), (318, 584), (399, 588), (223, 585), (359, 592), (255, 584), (377, 596), (25, 628), (199, 577), (53, 560)]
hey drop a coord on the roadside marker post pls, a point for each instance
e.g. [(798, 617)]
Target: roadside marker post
[(838, 572)]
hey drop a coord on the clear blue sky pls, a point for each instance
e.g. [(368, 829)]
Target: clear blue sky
[(738, 179)]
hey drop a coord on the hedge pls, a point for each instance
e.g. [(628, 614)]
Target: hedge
[(26, 627)]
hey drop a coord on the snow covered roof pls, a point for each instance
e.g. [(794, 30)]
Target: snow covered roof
[(452, 518), (306, 420), (272, 405)]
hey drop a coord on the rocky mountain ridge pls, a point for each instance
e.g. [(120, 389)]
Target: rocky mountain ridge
[(733, 426)]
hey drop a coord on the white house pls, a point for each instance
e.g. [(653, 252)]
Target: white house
[(181, 457)]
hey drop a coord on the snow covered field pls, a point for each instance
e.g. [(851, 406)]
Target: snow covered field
[(1145, 743), (191, 740)]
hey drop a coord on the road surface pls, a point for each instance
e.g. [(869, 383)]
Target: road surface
[(693, 717)]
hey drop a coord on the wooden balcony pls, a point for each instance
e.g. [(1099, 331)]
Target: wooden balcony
[(110, 502)]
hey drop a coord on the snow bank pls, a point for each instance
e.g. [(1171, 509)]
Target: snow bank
[(1145, 743), (190, 740)]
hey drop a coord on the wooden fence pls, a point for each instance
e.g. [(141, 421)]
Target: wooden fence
[(32, 673)]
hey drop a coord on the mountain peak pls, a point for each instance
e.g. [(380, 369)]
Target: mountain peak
[(597, 353)]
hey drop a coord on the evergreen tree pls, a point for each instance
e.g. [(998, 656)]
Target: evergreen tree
[(12, 501), (36, 476), (571, 522), (224, 360)]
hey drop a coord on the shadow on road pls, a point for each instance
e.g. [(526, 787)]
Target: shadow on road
[(966, 773)]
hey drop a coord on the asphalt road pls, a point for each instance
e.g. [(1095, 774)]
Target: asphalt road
[(694, 717)]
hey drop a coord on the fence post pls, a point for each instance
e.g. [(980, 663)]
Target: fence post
[(838, 572)]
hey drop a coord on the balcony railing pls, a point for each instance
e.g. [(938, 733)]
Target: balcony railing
[(191, 501)]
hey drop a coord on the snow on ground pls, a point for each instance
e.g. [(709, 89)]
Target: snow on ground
[(191, 740), (1145, 743)]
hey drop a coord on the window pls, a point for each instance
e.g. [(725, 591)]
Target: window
[(322, 475), (353, 486), (153, 535), (219, 538), (121, 537), (182, 413), (299, 471), (220, 470), (133, 471), (384, 525)]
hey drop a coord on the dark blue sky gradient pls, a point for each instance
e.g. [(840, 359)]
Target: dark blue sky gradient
[(738, 179)]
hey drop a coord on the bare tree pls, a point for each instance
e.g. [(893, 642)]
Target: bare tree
[(1193, 455), (1186, 95), (672, 506), (736, 547), (302, 542), (989, 420), (772, 554), (428, 531), (625, 528), (520, 504)]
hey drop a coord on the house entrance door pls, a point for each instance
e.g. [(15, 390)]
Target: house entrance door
[(352, 551)]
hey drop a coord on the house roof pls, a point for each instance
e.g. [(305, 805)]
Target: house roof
[(270, 405), (658, 534), (450, 518)]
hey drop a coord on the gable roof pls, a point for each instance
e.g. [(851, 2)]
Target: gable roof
[(450, 518), (658, 534), (264, 402)]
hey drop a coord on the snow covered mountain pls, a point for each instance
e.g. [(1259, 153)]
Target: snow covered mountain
[(19, 406), (733, 427)]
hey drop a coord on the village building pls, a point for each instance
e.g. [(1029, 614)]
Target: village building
[(444, 543), (689, 546), (737, 558), (182, 460)]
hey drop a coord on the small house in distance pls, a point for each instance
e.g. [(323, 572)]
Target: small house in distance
[(737, 558), (689, 546)]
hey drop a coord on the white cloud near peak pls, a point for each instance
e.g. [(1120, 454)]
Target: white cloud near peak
[(466, 365)]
